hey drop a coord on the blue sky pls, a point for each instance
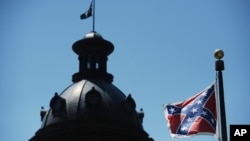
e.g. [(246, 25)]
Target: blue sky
[(163, 53)]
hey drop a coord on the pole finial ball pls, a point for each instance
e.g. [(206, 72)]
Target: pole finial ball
[(218, 54)]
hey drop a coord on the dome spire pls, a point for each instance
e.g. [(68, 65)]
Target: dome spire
[(93, 53)]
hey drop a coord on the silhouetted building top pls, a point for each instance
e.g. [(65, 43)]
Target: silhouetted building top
[(92, 108)]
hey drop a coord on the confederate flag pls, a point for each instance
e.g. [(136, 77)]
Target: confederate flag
[(196, 115)]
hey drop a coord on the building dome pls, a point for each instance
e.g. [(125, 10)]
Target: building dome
[(92, 108), (92, 101)]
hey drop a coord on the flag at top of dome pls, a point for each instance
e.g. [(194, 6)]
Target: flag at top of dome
[(88, 13)]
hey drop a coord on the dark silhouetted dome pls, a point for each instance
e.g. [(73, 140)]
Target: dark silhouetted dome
[(92, 108), (93, 101)]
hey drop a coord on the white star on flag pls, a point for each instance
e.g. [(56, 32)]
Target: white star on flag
[(189, 119), (194, 110), (172, 110)]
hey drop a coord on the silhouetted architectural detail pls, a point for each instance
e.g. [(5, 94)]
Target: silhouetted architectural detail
[(93, 51), (92, 108), (42, 113)]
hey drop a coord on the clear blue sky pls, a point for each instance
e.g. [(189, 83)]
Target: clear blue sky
[(163, 53)]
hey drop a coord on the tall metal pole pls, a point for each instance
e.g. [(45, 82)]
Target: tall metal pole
[(93, 2), (219, 67)]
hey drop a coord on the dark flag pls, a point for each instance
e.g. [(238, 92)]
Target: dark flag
[(88, 13), (196, 115)]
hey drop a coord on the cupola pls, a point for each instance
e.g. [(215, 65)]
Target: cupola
[(93, 53)]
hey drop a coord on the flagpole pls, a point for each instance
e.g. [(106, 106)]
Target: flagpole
[(218, 133), (219, 67), (93, 15)]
